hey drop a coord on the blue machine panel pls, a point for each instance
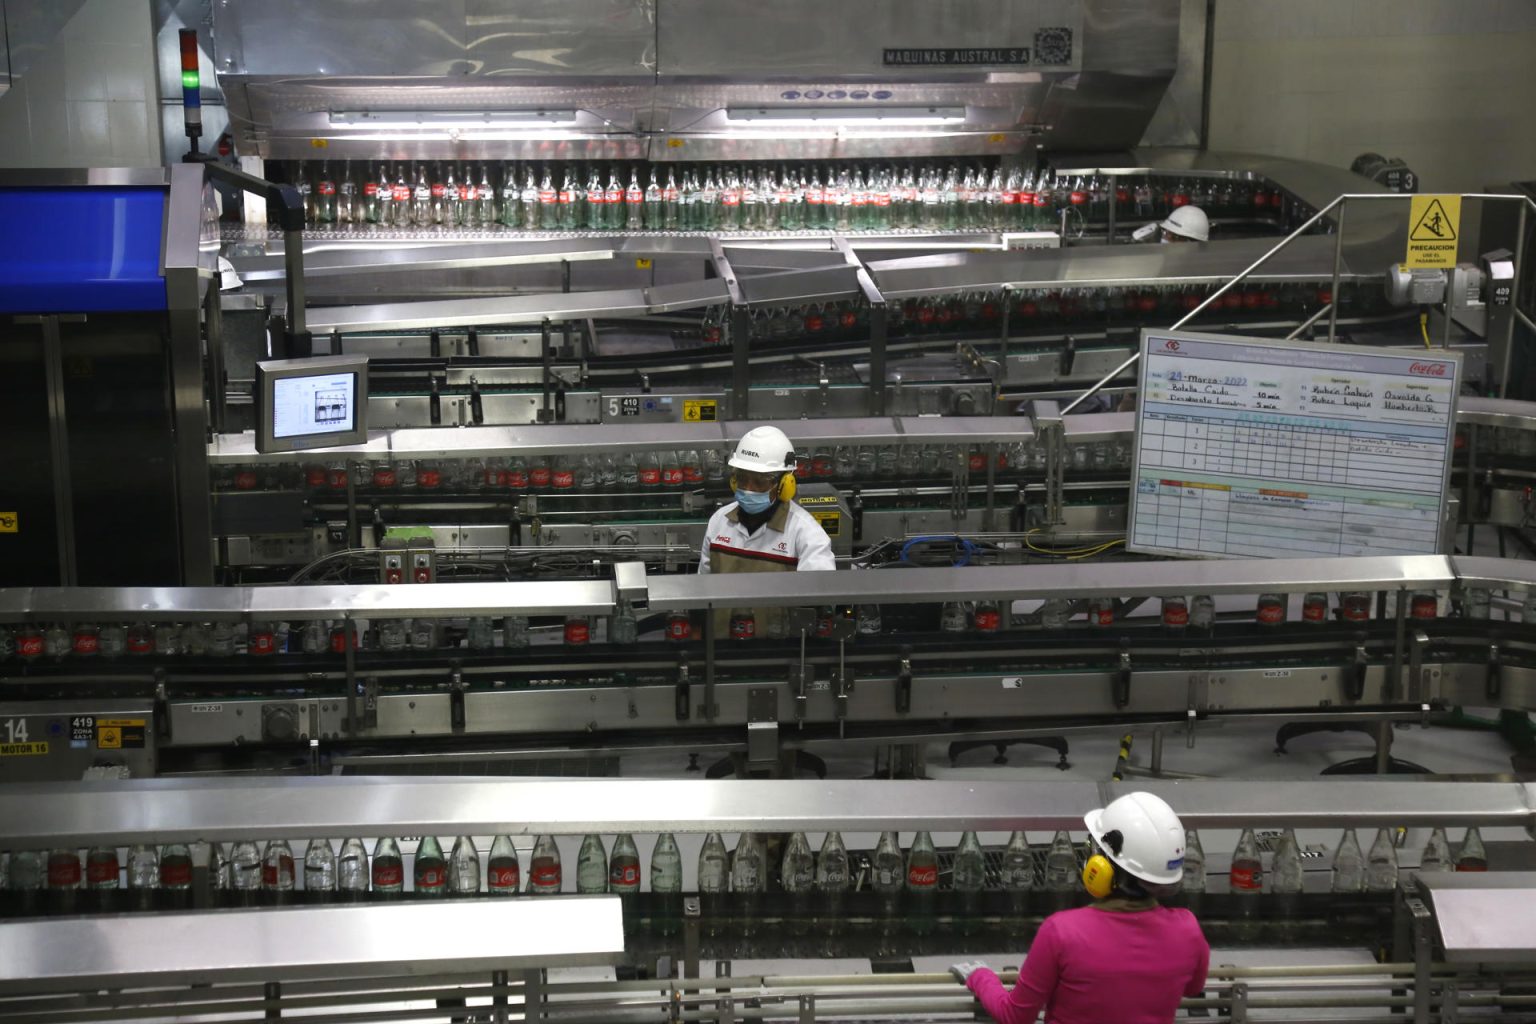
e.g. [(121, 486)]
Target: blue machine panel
[(81, 250)]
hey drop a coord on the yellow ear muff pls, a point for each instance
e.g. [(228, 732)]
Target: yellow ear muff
[(1099, 876), (733, 481), (787, 487)]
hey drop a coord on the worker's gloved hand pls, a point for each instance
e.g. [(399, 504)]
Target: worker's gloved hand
[(963, 971)]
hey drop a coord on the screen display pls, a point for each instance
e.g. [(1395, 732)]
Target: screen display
[(308, 406)]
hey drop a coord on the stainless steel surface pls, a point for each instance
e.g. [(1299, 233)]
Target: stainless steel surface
[(74, 954), (49, 177), (515, 309), (320, 261), (1484, 917), (1097, 266), (190, 251), (58, 444), (1123, 579), (48, 815), (658, 78)]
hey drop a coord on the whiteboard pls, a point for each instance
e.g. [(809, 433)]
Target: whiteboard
[(1248, 448)]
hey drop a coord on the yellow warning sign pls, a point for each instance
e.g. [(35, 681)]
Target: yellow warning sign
[(109, 737), (9, 523), (700, 410), (830, 521), (1434, 222), (641, 263), (22, 749)]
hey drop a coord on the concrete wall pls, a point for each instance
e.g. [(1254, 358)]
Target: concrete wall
[(89, 97), (1447, 85)]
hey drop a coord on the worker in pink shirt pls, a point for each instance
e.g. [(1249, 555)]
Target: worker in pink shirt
[(1123, 959)]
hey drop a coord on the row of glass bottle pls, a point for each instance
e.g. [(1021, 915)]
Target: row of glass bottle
[(249, 867), (657, 470), (927, 195), (479, 633), (1352, 871)]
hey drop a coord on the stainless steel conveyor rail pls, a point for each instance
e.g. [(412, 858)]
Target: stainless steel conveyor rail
[(123, 813)]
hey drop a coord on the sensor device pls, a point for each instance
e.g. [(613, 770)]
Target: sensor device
[(311, 403)]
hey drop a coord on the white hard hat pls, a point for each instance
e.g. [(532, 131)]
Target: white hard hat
[(764, 450), (1188, 222), (1151, 837)]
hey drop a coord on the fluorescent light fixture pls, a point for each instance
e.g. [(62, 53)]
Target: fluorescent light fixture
[(844, 116), (453, 120)]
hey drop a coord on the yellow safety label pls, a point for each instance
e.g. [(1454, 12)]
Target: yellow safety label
[(700, 410), (832, 522), (674, 143), (122, 723), (9, 523), (818, 499), (22, 749), (1434, 222), (642, 264), (319, 143), (996, 137), (109, 737)]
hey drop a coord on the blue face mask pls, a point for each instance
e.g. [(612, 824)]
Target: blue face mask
[(753, 502)]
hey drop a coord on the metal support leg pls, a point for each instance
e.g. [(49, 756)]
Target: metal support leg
[(499, 1000), (878, 320), (271, 993), (1338, 261), (1514, 301), (533, 995), (1383, 747)]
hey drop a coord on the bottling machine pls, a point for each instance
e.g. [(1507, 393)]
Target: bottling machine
[(531, 274)]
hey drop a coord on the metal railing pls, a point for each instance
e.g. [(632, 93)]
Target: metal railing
[(1332, 307)]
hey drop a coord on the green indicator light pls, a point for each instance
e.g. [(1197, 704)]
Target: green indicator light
[(189, 80)]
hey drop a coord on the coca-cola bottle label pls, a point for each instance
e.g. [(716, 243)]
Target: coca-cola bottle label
[(627, 875), (1271, 613), (503, 876), (262, 643), (101, 870), (271, 871), (977, 462), (141, 641), (1246, 879), (563, 479), (63, 872), (385, 478), (743, 627), (439, 190), (1314, 611), (1176, 615), (431, 876), (923, 876), (370, 188), (650, 475), (517, 479), (672, 476), (988, 620), (577, 631), (388, 874), (429, 478), (544, 874), (679, 627), (175, 873), (540, 476), (30, 645), (87, 643), (693, 474), (400, 193)]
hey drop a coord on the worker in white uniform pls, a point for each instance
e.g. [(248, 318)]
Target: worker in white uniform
[(1185, 224), (763, 530)]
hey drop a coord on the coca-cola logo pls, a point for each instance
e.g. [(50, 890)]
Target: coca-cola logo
[(431, 876), (577, 632), (540, 477), (503, 877), (1169, 345), (385, 875), (565, 479), (63, 872), (1428, 369), (29, 646), (545, 875), (624, 874), (101, 870), (923, 877)]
